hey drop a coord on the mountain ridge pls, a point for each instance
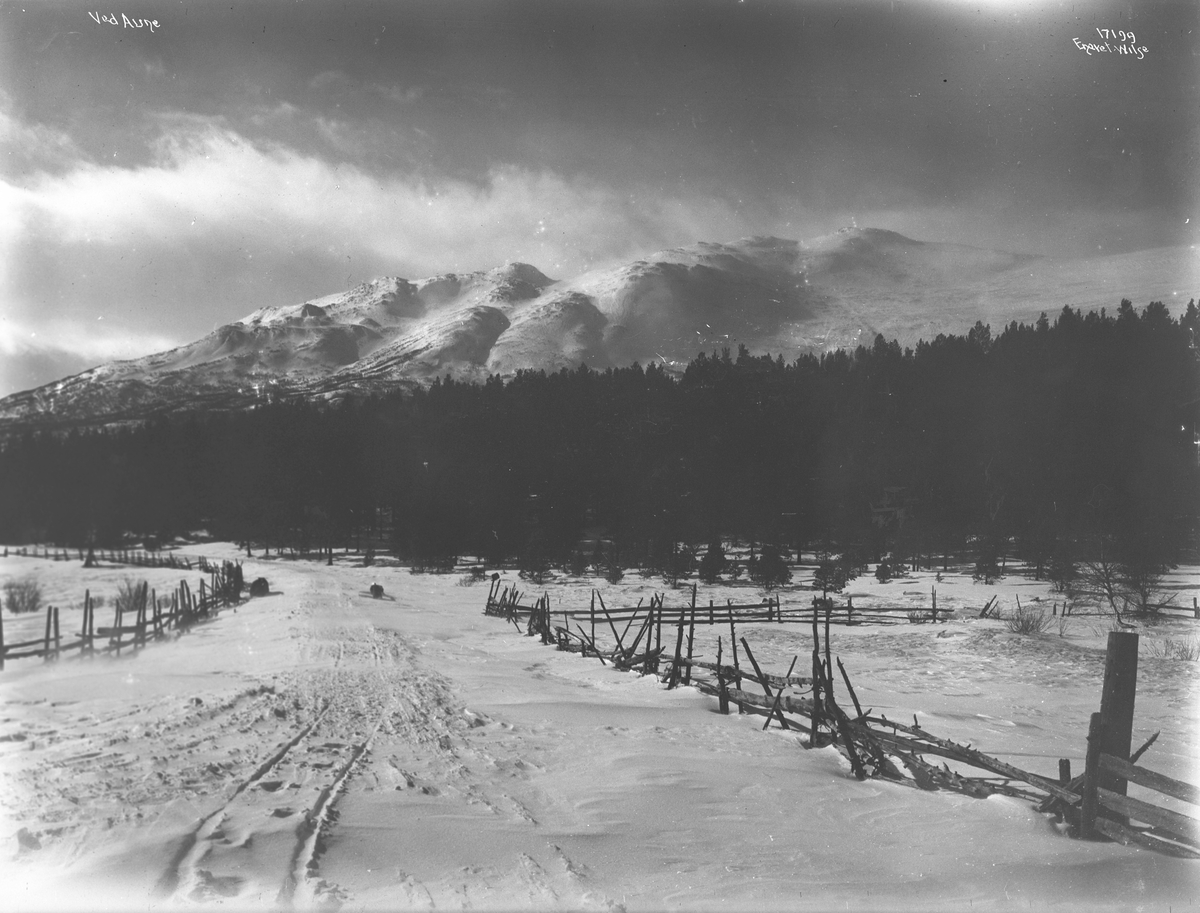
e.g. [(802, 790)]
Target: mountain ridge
[(770, 294)]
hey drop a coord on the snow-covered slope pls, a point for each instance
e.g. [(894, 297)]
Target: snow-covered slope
[(769, 294)]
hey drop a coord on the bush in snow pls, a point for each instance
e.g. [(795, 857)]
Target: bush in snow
[(129, 593), (1186, 649), (1027, 620), (23, 595)]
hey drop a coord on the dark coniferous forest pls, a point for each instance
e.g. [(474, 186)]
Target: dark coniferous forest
[(1048, 442)]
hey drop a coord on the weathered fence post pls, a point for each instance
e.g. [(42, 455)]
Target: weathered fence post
[(828, 661), (1116, 703), (57, 635), (1091, 773), (674, 680), (737, 668), (687, 673), (1064, 771), (117, 625), (141, 616), (2, 638), (46, 638), (816, 667), (658, 632), (89, 622), (722, 694)]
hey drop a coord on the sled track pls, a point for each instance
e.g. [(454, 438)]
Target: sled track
[(180, 874), (304, 860)]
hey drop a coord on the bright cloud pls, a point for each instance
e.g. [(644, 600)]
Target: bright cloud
[(216, 181), (218, 225)]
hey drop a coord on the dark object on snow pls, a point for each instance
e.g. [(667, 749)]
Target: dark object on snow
[(27, 841), (260, 587), (376, 591)]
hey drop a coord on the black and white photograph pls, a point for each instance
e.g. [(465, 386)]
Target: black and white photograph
[(600, 455)]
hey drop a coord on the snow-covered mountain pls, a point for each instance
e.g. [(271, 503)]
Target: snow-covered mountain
[(769, 294)]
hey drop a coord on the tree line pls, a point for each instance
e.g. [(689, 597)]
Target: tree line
[(1053, 442)]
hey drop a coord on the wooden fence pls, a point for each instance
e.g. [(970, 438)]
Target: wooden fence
[(90, 557), (874, 745), (136, 621), (506, 602)]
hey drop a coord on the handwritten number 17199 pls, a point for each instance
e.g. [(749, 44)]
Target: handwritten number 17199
[(1116, 35)]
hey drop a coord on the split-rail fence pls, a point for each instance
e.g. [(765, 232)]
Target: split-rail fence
[(137, 620), (1094, 804)]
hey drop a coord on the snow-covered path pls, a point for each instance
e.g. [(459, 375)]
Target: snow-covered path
[(320, 747)]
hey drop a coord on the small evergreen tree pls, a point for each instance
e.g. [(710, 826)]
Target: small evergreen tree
[(534, 562), (577, 563), (770, 570), (713, 564), (613, 571), (987, 565)]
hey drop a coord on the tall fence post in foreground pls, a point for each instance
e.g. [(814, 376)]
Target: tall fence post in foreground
[(816, 674), (1116, 703), (1091, 773), (46, 639)]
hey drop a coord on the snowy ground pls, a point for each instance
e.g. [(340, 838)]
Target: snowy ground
[(319, 747)]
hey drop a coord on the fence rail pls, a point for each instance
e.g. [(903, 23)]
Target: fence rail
[(1109, 812), (505, 601), (92, 556)]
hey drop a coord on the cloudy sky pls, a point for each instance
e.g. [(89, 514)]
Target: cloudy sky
[(157, 182)]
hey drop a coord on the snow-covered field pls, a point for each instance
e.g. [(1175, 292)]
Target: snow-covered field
[(319, 747)]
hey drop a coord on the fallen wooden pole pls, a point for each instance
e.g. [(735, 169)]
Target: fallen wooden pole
[(976, 758), (779, 695), (763, 683), (853, 697)]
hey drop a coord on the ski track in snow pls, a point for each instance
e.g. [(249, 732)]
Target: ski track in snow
[(318, 749)]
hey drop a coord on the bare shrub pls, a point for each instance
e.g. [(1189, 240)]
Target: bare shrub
[(24, 595), (129, 595), (1063, 621), (1027, 620), (1133, 586), (1187, 648), (473, 576)]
